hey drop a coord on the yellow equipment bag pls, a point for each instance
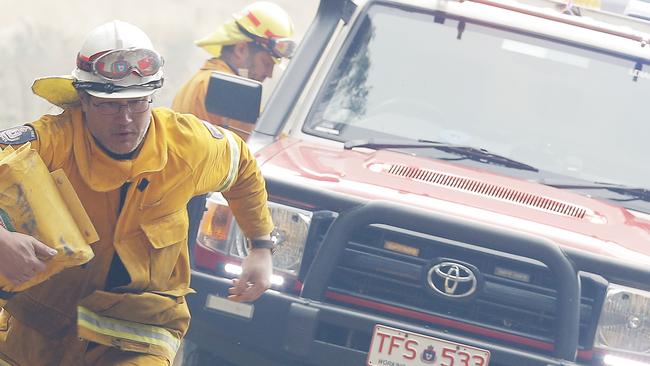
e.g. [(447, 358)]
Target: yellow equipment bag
[(35, 202)]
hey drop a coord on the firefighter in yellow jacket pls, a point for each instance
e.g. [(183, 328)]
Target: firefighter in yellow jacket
[(134, 169), (248, 45)]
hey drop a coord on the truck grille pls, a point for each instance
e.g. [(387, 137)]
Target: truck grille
[(517, 297)]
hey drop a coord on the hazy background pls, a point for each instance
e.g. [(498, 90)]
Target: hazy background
[(41, 38)]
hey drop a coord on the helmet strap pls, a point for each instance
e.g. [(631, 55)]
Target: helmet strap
[(110, 88)]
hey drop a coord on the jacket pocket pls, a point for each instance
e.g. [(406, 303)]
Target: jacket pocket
[(43, 318), (177, 295), (167, 237)]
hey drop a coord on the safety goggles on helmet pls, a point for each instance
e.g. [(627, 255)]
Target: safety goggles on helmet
[(120, 63), (277, 47)]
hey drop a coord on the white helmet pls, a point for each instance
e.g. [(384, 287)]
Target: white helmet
[(117, 60)]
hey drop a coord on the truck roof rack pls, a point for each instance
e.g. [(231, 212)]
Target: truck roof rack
[(561, 11)]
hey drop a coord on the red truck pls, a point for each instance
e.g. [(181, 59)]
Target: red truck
[(453, 183)]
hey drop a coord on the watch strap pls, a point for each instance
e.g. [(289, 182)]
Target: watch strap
[(263, 243)]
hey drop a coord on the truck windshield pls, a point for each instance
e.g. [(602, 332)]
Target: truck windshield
[(565, 109)]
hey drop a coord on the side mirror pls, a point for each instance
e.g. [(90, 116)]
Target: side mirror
[(233, 96)]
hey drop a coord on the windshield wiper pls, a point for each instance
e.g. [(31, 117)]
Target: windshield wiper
[(472, 153), (634, 193)]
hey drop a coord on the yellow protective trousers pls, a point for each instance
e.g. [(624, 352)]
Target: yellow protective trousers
[(108, 356)]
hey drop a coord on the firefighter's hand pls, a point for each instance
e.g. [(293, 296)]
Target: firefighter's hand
[(255, 278), (22, 256)]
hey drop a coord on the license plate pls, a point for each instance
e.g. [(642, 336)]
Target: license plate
[(224, 305), (395, 347)]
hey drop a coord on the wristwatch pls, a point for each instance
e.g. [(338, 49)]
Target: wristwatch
[(262, 243)]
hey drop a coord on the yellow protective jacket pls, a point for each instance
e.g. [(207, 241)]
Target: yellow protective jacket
[(191, 98), (181, 156)]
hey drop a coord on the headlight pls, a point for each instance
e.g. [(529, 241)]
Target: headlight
[(290, 235), (624, 325), (220, 231)]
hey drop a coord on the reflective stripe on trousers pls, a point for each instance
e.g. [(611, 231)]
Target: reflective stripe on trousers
[(126, 335)]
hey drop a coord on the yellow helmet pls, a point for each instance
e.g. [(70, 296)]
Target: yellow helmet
[(263, 22)]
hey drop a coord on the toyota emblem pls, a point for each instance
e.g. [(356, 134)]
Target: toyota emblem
[(452, 279)]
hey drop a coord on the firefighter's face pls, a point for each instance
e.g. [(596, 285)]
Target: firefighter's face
[(261, 65), (119, 125)]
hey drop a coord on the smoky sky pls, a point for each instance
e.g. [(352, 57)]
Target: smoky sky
[(41, 38)]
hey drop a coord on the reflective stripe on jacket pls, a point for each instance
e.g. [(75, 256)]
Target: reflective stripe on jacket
[(180, 158), (125, 335), (191, 98)]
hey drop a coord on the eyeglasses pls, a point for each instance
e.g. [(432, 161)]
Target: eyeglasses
[(120, 63), (133, 106), (277, 47)]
